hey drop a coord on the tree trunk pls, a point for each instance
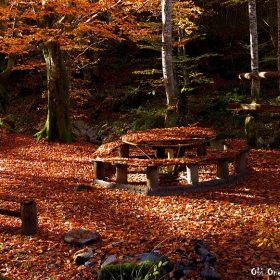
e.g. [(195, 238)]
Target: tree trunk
[(57, 126), (171, 117), (251, 123)]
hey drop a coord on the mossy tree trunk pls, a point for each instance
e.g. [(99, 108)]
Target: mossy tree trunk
[(57, 126)]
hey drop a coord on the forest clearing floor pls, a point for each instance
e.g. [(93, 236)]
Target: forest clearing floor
[(230, 219)]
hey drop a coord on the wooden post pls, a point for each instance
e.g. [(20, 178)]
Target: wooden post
[(159, 152), (99, 170), (222, 168), (28, 213), (124, 151), (240, 163), (170, 153), (121, 173), (152, 177), (192, 173), (201, 149)]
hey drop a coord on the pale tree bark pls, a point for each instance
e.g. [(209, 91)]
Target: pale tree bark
[(57, 126), (171, 117), (251, 123), (254, 49)]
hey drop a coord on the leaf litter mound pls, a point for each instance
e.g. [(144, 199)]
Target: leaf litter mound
[(240, 223)]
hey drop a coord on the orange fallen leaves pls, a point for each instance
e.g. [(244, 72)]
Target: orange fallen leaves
[(229, 219)]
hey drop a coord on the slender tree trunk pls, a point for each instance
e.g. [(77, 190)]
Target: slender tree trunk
[(254, 48), (57, 126), (251, 123), (171, 117)]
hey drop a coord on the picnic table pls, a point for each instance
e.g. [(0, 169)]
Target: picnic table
[(170, 147)]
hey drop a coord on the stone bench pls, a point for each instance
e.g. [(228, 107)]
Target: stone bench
[(234, 151), (27, 213)]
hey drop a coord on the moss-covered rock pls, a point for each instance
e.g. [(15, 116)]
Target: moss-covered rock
[(147, 270)]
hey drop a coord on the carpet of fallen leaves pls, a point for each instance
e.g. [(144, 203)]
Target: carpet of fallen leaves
[(229, 219)]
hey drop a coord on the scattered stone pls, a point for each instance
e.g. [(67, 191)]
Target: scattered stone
[(82, 256), (109, 260), (92, 134), (211, 274), (81, 128), (189, 266), (89, 264), (82, 187), (81, 237), (117, 244)]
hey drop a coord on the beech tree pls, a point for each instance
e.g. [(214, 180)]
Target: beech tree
[(52, 27), (171, 117), (251, 124), (57, 126)]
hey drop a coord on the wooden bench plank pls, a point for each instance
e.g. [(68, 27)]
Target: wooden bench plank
[(10, 213)]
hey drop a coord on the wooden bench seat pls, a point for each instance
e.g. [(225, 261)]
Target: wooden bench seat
[(27, 213)]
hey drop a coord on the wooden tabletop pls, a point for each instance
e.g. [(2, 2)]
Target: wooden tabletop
[(170, 137)]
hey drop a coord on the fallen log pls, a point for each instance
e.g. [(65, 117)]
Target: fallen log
[(270, 75)]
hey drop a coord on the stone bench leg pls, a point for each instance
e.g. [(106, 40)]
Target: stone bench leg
[(192, 174), (99, 170), (152, 177), (222, 169), (240, 163), (121, 173)]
